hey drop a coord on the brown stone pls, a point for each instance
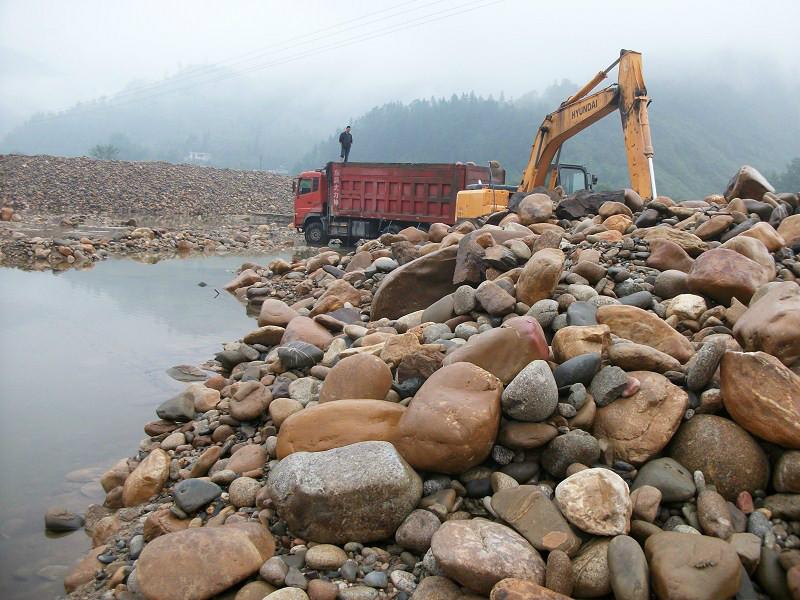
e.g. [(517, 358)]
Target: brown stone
[(275, 312), (665, 255), (257, 590), (762, 395), (729, 458), (590, 570), (478, 553), (526, 436), (536, 518), (162, 522), (248, 458), (269, 335), (747, 183), (422, 363), (415, 285), (147, 479), (205, 461), (398, 347), (755, 250), (631, 357), (522, 589), (83, 572), (610, 208), (789, 230), (643, 327), (690, 243), (307, 330), (640, 426), (714, 227), (772, 324), (452, 422), (341, 291), (249, 401), (504, 351), (246, 278), (357, 376), (337, 424), (692, 567), (765, 233), (360, 261), (618, 223), (198, 563), (540, 276), (574, 340)]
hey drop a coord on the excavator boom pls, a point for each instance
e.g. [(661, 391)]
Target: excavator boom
[(583, 109)]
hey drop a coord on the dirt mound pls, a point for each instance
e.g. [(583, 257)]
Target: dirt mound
[(52, 184)]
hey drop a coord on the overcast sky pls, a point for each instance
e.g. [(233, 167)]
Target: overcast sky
[(54, 53)]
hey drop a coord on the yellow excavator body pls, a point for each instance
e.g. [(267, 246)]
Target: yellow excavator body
[(471, 204)]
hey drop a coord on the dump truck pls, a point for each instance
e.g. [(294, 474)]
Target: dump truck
[(352, 201)]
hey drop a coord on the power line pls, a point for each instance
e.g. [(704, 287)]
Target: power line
[(278, 47), (416, 22)]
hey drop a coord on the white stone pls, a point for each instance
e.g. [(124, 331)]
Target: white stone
[(596, 501)]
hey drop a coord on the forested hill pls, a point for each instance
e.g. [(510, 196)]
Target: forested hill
[(701, 135)]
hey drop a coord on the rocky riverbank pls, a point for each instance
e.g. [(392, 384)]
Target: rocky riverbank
[(59, 213), (592, 397), (42, 242)]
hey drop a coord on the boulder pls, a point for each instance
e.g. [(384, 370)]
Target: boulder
[(772, 323), (504, 351), (415, 285), (789, 230), (747, 183), (357, 376), (199, 563), (540, 276), (762, 395), (643, 327), (692, 567), (729, 458), (723, 274), (452, 422), (640, 426), (478, 553), (147, 479), (535, 208), (361, 492), (666, 255)]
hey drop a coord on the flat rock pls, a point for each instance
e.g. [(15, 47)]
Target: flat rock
[(192, 494), (198, 563), (723, 274), (643, 327), (640, 426), (668, 476), (147, 479), (692, 567), (535, 517), (479, 553)]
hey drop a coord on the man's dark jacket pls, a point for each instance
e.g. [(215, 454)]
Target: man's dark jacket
[(346, 139)]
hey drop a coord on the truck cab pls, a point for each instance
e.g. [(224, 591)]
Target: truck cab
[(310, 195)]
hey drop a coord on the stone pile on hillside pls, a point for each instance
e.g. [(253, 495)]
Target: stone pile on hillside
[(588, 399), (58, 185)]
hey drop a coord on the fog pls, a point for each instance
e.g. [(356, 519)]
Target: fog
[(348, 56)]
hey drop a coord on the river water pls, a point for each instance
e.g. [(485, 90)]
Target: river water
[(82, 361)]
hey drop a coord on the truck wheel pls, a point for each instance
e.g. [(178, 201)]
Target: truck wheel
[(315, 234)]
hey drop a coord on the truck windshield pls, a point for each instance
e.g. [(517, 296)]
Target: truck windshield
[(304, 187)]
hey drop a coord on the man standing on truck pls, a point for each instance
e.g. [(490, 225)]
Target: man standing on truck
[(346, 140)]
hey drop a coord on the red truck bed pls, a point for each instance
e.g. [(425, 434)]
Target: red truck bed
[(424, 193)]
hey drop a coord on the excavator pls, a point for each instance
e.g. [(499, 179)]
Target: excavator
[(576, 113)]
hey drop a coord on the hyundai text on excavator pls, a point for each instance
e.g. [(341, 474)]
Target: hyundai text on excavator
[(576, 113)]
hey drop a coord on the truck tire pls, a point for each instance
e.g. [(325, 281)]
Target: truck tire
[(315, 234)]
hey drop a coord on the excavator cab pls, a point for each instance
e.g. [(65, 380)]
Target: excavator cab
[(571, 178)]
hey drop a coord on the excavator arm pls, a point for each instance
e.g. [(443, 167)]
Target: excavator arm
[(581, 110)]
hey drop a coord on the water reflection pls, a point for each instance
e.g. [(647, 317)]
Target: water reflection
[(82, 359)]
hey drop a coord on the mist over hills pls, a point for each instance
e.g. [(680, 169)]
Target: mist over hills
[(702, 131)]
